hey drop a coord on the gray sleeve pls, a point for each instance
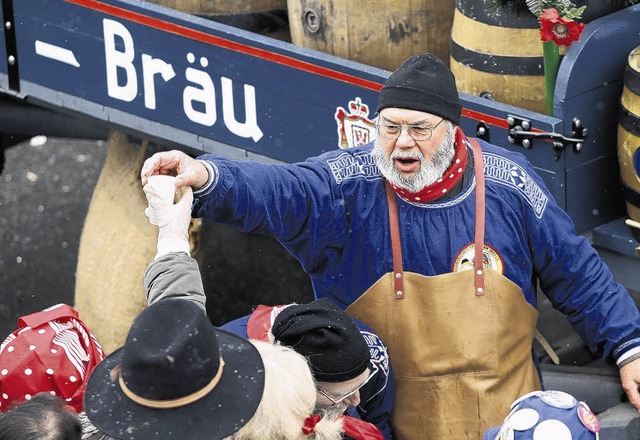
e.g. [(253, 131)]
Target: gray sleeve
[(174, 275)]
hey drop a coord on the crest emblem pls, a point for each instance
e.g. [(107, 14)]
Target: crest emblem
[(354, 127), (490, 259)]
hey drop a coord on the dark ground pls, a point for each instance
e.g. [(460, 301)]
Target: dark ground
[(45, 192), (44, 196)]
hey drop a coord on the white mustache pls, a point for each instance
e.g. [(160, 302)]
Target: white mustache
[(407, 155)]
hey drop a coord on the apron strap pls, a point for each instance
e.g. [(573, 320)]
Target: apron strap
[(396, 246), (478, 265)]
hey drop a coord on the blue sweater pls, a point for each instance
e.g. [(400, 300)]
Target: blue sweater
[(330, 213)]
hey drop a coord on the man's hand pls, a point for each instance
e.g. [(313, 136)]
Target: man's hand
[(187, 170), (630, 378)]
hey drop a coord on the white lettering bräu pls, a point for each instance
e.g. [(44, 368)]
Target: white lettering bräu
[(198, 96)]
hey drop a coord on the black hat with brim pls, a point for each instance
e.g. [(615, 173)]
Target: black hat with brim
[(216, 415)]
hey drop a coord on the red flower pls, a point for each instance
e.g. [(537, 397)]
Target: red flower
[(562, 31)]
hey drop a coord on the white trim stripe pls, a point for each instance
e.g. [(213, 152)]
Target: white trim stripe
[(70, 342), (627, 355)]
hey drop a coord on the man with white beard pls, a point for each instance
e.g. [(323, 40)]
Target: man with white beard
[(436, 241), (348, 360)]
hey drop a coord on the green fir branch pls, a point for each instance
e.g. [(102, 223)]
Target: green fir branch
[(572, 13), (566, 8), (535, 6)]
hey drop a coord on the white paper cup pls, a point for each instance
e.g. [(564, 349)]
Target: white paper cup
[(163, 187)]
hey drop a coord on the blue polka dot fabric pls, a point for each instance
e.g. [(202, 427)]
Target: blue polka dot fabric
[(547, 415)]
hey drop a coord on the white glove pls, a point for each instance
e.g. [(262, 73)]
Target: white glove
[(172, 219)]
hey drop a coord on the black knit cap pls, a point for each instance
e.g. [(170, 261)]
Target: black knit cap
[(424, 83), (326, 336)]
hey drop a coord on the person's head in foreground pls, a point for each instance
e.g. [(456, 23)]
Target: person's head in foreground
[(286, 411), (418, 111), (547, 415), (336, 350), (177, 376), (43, 417)]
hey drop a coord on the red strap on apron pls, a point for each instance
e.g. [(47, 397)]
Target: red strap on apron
[(478, 261), (396, 246), (394, 228)]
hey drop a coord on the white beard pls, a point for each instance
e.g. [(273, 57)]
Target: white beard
[(332, 412), (428, 173)]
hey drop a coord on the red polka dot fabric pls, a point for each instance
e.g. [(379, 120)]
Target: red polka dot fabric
[(448, 180), (51, 351)]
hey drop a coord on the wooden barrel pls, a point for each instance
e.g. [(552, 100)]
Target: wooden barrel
[(498, 53), (373, 32), (266, 17), (629, 137)]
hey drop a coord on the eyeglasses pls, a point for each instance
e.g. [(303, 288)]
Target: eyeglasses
[(335, 400), (417, 132)]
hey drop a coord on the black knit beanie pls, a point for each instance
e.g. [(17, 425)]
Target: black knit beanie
[(326, 336), (424, 83)]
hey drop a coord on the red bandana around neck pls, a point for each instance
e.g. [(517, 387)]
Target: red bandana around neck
[(450, 178)]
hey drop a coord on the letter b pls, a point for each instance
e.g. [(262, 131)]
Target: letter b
[(119, 60)]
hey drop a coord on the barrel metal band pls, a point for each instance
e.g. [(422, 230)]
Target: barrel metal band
[(631, 195), (172, 403), (498, 64), (629, 121), (632, 79)]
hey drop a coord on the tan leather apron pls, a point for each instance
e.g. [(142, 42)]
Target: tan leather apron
[(459, 343)]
